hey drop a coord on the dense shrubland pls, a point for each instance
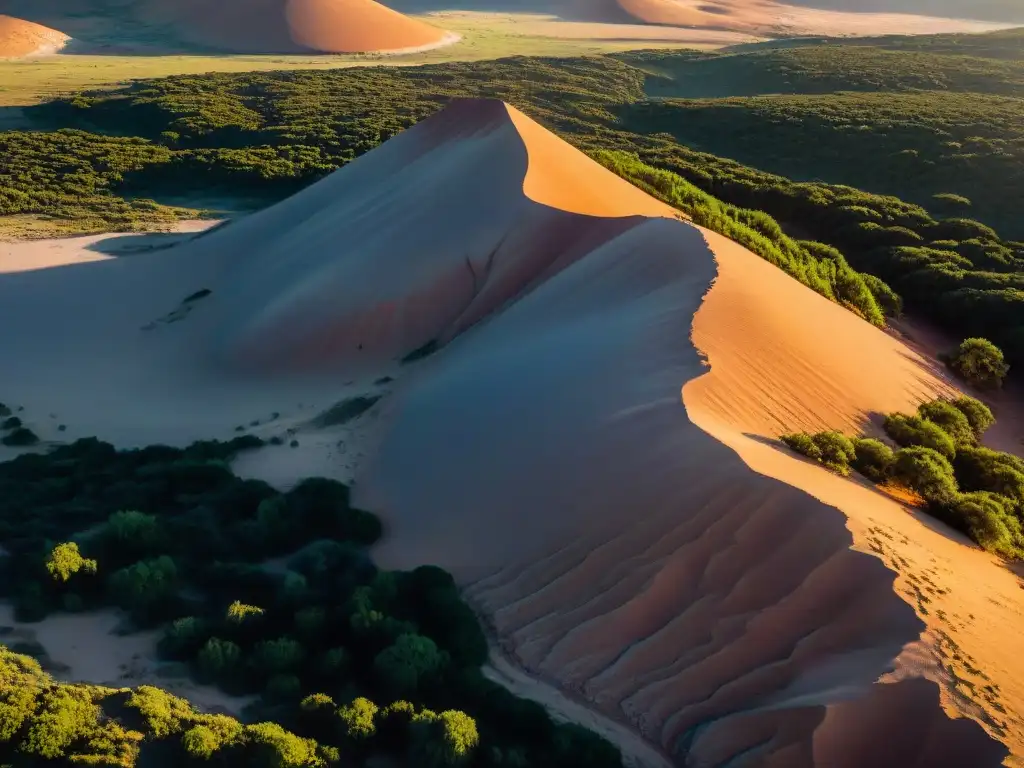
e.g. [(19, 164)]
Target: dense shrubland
[(938, 456), (259, 593), (268, 134)]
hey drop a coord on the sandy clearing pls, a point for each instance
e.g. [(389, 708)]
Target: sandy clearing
[(22, 39), (626, 541), (87, 648)]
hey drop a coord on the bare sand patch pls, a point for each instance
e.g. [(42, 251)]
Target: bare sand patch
[(89, 648), (21, 39)]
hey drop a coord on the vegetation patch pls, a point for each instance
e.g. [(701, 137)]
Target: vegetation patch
[(974, 489), (351, 665)]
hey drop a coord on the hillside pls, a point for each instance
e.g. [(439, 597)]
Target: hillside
[(616, 536)]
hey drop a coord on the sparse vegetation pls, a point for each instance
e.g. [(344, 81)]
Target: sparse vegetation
[(974, 489), (346, 410), (979, 362), (336, 650)]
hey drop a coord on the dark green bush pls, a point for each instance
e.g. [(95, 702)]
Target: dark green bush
[(950, 420), (873, 459), (978, 414), (910, 431), (804, 444), (979, 362), (926, 472)]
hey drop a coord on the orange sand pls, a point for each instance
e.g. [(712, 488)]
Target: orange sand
[(621, 514), (20, 38), (297, 26), (773, 17)]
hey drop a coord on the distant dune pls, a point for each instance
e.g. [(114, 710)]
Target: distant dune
[(20, 38), (295, 26), (590, 448), (834, 17)]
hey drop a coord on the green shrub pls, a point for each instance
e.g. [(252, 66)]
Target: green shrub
[(12, 423), (239, 612), (873, 459), (65, 560), (980, 362), (887, 299), (358, 718), (978, 414), (219, 659), (950, 420), (403, 666), (909, 431), (982, 469), (927, 472), (837, 451), (803, 444), (985, 520)]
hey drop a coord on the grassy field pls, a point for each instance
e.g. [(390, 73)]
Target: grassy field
[(484, 36)]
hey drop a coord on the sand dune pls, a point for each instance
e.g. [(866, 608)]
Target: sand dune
[(20, 38), (296, 26), (613, 506), (799, 17)]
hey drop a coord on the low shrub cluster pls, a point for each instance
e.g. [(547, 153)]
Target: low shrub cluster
[(259, 593), (974, 489)]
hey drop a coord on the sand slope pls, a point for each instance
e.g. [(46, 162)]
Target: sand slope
[(295, 26), (20, 38), (799, 17), (612, 505)]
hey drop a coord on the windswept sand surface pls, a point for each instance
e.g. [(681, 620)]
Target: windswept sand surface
[(591, 451), (20, 39)]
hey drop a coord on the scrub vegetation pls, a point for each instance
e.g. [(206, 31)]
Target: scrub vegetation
[(261, 593), (937, 454)]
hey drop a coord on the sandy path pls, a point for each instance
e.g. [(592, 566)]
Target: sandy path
[(636, 752)]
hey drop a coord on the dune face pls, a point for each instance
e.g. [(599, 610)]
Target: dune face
[(20, 38), (772, 17), (585, 451), (295, 26)]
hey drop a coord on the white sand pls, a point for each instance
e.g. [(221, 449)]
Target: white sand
[(620, 517)]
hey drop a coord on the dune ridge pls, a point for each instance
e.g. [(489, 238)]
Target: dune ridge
[(586, 451), (20, 38)]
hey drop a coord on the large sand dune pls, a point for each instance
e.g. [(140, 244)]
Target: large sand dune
[(616, 508), (20, 38), (296, 26)]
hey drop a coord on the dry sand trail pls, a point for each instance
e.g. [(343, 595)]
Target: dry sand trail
[(590, 451)]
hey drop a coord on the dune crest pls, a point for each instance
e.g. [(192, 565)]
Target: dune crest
[(20, 38), (565, 451)]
